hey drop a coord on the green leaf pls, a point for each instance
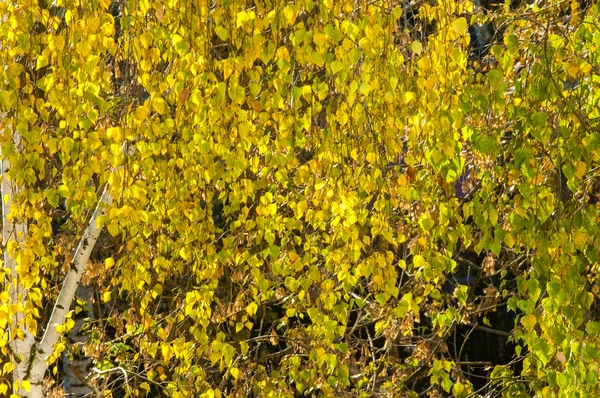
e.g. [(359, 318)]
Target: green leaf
[(539, 119), (52, 197), (426, 223), (593, 328), (318, 59), (484, 143), (495, 77), (553, 288), (512, 43)]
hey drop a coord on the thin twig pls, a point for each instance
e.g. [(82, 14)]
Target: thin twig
[(490, 330), (113, 370)]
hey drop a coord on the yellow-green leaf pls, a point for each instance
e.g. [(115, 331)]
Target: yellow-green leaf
[(460, 26)]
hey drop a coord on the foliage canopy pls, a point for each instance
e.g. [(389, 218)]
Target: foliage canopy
[(326, 198)]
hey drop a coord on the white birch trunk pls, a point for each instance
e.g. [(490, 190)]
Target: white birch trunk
[(44, 348), (76, 371), (21, 339), (28, 355)]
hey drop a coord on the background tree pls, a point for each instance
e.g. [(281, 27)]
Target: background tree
[(309, 198)]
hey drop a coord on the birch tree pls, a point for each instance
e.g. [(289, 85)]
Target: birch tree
[(47, 157), (30, 354), (362, 198)]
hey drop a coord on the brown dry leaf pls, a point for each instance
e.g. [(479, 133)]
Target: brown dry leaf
[(280, 293), (184, 95), (160, 13), (489, 263), (421, 351), (406, 327), (491, 297), (391, 332), (274, 338)]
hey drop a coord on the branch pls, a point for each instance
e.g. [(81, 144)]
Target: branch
[(465, 261), (63, 303), (490, 330), (113, 370)]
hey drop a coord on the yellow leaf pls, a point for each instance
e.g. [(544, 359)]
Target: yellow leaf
[(15, 69), (429, 84), (270, 209), (417, 47), (83, 48), (573, 71), (141, 113), (460, 26), (92, 24), (115, 133), (529, 322), (235, 372), (290, 14), (302, 206), (146, 40), (7, 368), (41, 61), (222, 33), (580, 168), (113, 229), (251, 308), (409, 96), (371, 157), (243, 17), (184, 252), (158, 104), (109, 263), (319, 39), (580, 239), (59, 42)]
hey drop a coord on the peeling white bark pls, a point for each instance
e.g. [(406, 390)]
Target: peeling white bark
[(15, 231), (76, 370), (28, 355), (44, 348)]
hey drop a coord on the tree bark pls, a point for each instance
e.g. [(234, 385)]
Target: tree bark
[(13, 235), (28, 355), (76, 370)]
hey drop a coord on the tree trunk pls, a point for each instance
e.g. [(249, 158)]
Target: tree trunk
[(76, 370), (28, 355), (13, 236)]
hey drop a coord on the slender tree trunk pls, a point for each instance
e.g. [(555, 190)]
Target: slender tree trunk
[(28, 355), (76, 370), (13, 236)]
